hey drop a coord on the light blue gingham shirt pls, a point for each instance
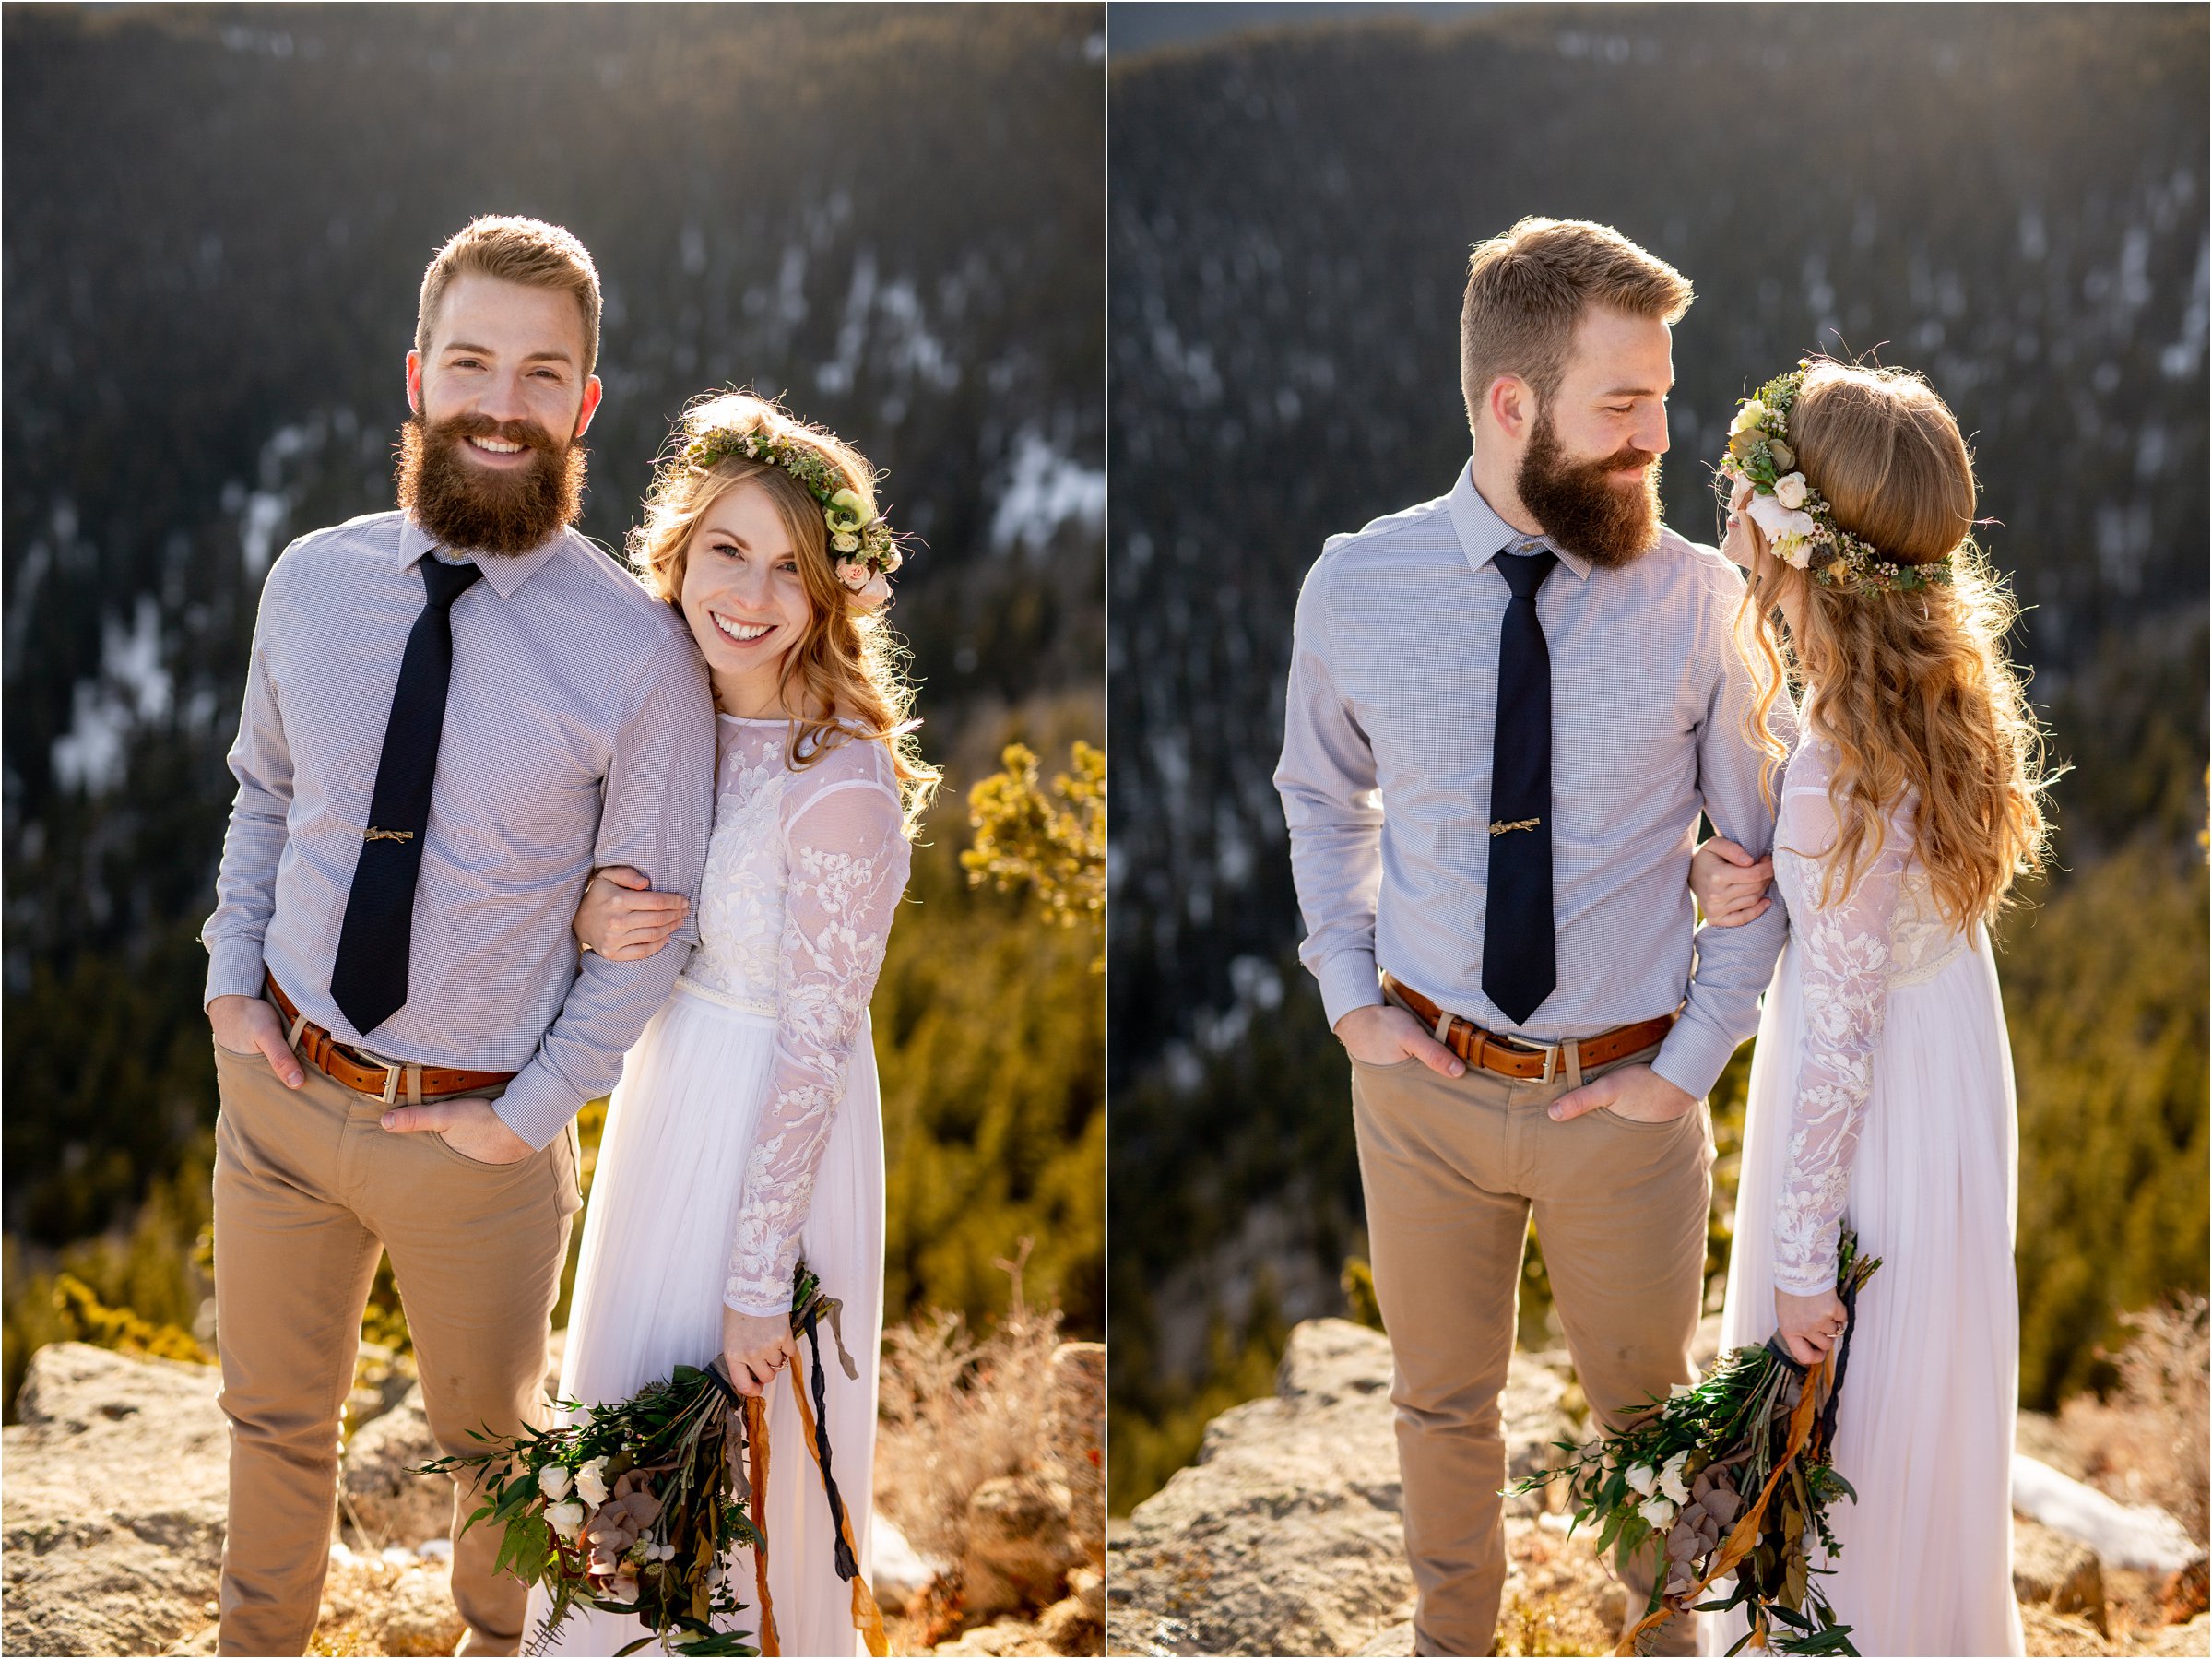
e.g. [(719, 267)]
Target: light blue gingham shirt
[(1385, 779), (579, 733)]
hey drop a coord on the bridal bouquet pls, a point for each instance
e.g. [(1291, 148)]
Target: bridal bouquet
[(629, 1509), (1730, 1475)]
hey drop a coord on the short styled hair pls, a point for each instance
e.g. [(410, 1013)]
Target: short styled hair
[(527, 250), (1527, 292)]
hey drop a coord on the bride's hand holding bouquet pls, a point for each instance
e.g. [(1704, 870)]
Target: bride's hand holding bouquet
[(756, 1346)]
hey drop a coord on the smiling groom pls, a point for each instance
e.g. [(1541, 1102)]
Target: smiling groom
[(1507, 707), (453, 713)]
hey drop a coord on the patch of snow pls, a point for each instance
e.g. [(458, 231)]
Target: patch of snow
[(1044, 490), (2131, 1535)]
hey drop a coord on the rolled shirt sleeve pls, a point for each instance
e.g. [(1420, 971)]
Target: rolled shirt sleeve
[(657, 814), (1734, 965)]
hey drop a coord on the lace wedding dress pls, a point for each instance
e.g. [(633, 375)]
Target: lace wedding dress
[(747, 1131), (1882, 1097)]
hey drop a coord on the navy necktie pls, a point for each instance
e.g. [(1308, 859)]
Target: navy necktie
[(1518, 965), (369, 979)]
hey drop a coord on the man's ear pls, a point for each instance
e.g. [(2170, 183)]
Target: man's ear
[(591, 391), (1512, 406), (414, 380)]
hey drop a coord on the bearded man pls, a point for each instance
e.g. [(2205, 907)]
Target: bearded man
[(453, 713), (1507, 707)]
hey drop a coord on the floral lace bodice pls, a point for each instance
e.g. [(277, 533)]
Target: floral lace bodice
[(1886, 934), (803, 873)]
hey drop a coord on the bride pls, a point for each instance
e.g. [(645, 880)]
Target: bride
[(746, 1130), (1881, 1087)]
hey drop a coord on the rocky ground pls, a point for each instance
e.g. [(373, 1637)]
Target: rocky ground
[(1285, 1537), (114, 1518)]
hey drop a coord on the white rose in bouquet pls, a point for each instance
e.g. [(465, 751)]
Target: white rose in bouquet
[(567, 1519), (591, 1482)]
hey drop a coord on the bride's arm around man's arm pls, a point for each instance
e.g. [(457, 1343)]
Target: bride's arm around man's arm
[(849, 863)]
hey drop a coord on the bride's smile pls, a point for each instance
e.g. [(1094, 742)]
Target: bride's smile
[(745, 599)]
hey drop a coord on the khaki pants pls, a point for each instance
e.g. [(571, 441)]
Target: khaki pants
[(308, 1190), (1452, 1170)]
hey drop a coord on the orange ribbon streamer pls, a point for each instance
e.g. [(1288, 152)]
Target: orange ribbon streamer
[(867, 1619), (756, 1450)]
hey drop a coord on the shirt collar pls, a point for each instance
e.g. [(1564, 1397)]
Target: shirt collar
[(1484, 534), (504, 572)]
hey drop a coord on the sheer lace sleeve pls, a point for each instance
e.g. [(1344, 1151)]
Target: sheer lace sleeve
[(847, 864), (1847, 956)]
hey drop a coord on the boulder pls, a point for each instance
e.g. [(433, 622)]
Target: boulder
[(1074, 1440), (417, 1614), (1002, 1639), (386, 1502), (2050, 1570), (1077, 1625), (897, 1572), (1284, 1536), (1017, 1544), (116, 1498)]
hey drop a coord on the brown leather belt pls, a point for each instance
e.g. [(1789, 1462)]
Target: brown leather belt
[(365, 1073), (1509, 1056)]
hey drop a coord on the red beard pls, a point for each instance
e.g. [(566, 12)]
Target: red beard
[(1583, 510), (473, 509)]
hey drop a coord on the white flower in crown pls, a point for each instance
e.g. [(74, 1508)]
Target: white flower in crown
[(1789, 529), (1790, 490), (1747, 418), (1670, 1478), (844, 542), (1658, 1513), (553, 1481)]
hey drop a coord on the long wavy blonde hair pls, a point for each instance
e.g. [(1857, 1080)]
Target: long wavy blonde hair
[(1913, 689), (847, 666)]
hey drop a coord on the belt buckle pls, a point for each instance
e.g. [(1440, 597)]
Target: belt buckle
[(1549, 1051), (392, 1073)]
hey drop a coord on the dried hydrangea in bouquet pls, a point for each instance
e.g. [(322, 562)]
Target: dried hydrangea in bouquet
[(1730, 1476)]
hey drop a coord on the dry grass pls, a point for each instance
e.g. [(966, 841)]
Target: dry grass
[(958, 1410), (2147, 1442)]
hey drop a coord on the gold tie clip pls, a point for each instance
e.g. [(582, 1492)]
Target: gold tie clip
[(377, 834), (1517, 823)]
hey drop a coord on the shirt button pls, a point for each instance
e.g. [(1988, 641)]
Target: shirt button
[(1530, 547)]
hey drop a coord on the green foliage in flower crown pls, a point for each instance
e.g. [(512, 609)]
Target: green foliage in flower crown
[(853, 535), (1759, 455)]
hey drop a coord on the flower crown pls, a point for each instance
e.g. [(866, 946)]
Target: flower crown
[(863, 547), (1801, 524)]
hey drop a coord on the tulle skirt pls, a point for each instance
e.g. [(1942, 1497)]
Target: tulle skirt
[(1924, 1433), (649, 1295)]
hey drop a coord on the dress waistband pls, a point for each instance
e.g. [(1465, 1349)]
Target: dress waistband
[(714, 993)]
